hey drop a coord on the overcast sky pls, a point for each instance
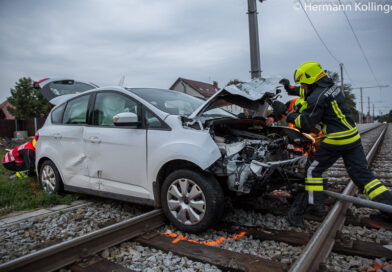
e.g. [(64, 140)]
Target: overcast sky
[(152, 43)]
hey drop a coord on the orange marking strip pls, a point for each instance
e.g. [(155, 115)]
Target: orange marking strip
[(180, 237)]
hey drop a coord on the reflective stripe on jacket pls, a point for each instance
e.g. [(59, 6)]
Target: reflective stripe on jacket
[(326, 104), (13, 155)]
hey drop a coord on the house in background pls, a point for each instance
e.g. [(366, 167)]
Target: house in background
[(4, 113), (202, 90), (195, 88)]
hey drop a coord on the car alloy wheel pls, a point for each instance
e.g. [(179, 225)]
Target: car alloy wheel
[(186, 201), (48, 178), (192, 200)]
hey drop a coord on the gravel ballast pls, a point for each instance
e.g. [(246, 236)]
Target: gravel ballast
[(33, 234)]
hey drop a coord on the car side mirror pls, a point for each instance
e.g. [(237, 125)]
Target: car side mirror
[(126, 119)]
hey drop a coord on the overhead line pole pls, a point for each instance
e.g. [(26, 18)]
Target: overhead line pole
[(361, 114), (373, 112), (254, 40), (368, 87), (341, 78)]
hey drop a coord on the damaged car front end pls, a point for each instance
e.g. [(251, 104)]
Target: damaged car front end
[(256, 159)]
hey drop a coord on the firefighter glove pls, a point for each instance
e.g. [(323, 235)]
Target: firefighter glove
[(280, 109), (286, 84)]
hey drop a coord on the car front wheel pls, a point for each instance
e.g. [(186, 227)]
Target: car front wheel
[(191, 200), (49, 177)]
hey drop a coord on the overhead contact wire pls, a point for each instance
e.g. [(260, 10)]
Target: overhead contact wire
[(322, 41), (318, 35), (359, 45)]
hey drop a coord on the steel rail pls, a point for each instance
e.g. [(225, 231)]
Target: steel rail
[(365, 130), (322, 241), (65, 253)]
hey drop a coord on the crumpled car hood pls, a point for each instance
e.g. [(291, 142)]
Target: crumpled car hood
[(247, 95)]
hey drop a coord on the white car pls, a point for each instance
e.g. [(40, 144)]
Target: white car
[(165, 148)]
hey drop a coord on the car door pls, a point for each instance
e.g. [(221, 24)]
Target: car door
[(116, 155), (67, 138)]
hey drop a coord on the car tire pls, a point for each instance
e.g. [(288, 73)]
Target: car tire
[(192, 201), (49, 178)]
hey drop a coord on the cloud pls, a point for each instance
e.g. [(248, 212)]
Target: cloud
[(154, 42)]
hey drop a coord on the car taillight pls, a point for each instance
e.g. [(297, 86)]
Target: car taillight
[(34, 141)]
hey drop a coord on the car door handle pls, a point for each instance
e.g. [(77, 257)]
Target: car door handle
[(57, 136), (95, 139)]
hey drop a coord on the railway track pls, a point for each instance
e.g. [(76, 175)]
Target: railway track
[(258, 243)]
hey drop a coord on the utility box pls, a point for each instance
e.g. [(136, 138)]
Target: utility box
[(20, 134)]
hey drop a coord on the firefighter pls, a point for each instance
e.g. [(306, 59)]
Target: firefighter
[(21, 159), (326, 104)]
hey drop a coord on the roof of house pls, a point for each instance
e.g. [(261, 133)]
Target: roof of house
[(3, 107), (203, 88)]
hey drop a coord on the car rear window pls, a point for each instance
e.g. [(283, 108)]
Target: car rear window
[(68, 87), (76, 111), (57, 114)]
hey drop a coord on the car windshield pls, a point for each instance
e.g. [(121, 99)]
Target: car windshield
[(177, 103)]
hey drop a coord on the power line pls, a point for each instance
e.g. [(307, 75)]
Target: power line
[(322, 41), (359, 44), (318, 35)]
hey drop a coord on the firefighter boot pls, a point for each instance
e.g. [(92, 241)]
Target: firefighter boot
[(385, 198), (297, 210), (316, 210), (21, 174)]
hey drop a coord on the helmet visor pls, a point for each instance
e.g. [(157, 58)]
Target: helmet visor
[(297, 78)]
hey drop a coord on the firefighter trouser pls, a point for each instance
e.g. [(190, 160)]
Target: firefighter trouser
[(356, 165), (28, 163), (12, 166)]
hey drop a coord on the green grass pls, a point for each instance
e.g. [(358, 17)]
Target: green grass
[(25, 194)]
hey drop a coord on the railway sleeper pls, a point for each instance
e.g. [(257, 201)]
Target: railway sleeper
[(343, 244), (222, 258)]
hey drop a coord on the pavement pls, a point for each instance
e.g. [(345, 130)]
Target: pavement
[(42, 212)]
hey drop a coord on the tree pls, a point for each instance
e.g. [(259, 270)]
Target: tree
[(386, 117), (27, 101), (350, 97)]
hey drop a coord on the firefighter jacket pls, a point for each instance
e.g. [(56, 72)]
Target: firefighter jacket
[(326, 105), (17, 154)]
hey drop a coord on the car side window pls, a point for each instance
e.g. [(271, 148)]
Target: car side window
[(57, 114), (76, 111), (108, 105), (152, 121)]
